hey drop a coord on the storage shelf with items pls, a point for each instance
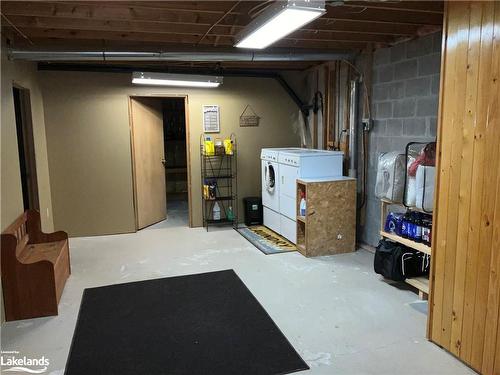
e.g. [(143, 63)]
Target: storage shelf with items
[(326, 215), (420, 282), (404, 188), (422, 245), (404, 241), (219, 184)]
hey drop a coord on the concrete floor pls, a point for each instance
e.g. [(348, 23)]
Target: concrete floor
[(177, 215), (334, 310)]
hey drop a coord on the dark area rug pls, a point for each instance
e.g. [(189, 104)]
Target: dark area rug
[(206, 324), (266, 240)]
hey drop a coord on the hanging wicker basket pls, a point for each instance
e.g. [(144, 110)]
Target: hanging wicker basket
[(249, 118)]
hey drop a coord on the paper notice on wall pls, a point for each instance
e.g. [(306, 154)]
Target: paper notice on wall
[(211, 119)]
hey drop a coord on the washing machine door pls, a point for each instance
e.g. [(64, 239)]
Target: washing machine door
[(270, 178)]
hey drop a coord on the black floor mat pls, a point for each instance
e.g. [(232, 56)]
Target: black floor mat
[(206, 324)]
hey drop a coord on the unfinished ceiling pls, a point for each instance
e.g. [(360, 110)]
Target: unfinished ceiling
[(207, 25)]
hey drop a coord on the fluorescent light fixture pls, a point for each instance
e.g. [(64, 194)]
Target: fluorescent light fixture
[(278, 21), (181, 80)]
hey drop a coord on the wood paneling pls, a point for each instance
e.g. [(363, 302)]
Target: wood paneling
[(465, 298)]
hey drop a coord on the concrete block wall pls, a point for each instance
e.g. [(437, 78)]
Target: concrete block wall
[(404, 108)]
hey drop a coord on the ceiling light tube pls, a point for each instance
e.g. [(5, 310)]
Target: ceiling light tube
[(180, 80), (278, 21)]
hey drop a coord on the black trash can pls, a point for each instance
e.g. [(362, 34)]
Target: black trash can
[(253, 210)]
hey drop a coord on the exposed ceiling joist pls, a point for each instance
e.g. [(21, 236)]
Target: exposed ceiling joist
[(173, 22), (75, 35), (113, 11), (159, 25), (220, 7), (47, 23), (414, 6)]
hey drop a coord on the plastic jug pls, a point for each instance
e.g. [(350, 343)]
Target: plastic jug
[(216, 211)]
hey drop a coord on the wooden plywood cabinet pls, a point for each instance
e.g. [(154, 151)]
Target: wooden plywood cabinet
[(329, 224)]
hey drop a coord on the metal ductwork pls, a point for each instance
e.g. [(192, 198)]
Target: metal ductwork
[(307, 55)]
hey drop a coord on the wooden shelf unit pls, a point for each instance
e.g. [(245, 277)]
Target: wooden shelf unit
[(329, 225), (421, 283), (405, 241), (388, 202)]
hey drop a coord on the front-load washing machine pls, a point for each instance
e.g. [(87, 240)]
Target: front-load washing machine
[(270, 185), (270, 177)]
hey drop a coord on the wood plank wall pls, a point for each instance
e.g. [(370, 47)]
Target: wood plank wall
[(465, 293)]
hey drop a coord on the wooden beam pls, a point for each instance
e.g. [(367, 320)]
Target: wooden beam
[(76, 34), (217, 22), (362, 27), (414, 6), (371, 19), (105, 12), (382, 15), (219, 7), (197, 30), (340, 36), (319, 26), (210, 7), (111, 25), (223, 40)]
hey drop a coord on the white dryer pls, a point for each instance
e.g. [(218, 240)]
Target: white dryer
[(301, 163)]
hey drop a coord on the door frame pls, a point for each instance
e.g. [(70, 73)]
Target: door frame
[(188, 150), (27, 147)]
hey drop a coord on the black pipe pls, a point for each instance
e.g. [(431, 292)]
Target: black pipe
[(252, 73), (303, 107)]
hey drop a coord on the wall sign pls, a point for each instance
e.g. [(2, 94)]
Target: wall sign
[(249, 117), (211, 119)]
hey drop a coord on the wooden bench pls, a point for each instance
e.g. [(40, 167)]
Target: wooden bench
[(35, 266)]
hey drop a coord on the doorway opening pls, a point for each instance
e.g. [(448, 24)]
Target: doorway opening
[(174, 133), (26, 148), (160, 149)]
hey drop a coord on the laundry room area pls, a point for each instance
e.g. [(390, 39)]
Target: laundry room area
[(250, 187)]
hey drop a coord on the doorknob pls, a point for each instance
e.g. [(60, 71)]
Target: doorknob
[(164, 162)]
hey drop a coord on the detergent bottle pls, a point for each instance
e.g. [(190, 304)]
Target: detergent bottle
[(302, 203)]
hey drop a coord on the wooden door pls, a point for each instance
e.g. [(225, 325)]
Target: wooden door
[(148, 156), (465, 284)]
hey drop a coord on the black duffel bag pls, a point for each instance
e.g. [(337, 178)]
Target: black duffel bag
[(388, 257), (397, 262)]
